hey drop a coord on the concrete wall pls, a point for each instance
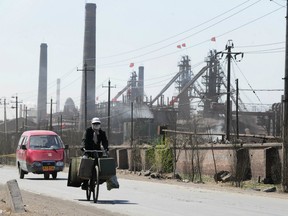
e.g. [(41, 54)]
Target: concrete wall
[(257, 157), (225, 157)]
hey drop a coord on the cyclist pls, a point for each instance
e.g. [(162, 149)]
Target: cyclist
[(92, 139)]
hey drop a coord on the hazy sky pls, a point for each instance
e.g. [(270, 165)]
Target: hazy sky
[(145, 32)]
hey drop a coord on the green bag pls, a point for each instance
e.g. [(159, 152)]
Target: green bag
[(112, 183)]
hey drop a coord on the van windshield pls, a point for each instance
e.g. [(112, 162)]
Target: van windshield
[(45, 142)]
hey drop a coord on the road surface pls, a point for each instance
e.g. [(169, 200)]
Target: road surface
[(144, 198)]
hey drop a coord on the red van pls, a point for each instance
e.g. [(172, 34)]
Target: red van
[(40, 152)]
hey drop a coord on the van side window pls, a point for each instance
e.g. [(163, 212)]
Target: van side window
[(25, 141), (22, 141), (61, 144)]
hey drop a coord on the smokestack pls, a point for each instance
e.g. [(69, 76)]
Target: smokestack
[(141, 83), (89, 58), (134, 92), (58, 97), (42, 85)]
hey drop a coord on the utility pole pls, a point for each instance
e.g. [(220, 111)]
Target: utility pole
[(5, 116), (285, 114), (16, 107), (229, 56), (109, 87), (50, 126), (237, 108), (85, 93), (61, 122), (26, 117), (132, 137)]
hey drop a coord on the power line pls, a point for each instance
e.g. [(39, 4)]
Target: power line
[(252, 21), (247, 81), (161, 41), (278, 3), (204, 41), (260, 45), (275, 50), (175, 42), (261, 90)]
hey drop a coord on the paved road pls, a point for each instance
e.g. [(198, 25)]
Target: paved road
[(143, 198)]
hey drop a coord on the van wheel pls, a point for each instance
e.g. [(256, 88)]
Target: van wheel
[(54, 175), (46, 175), (21, 172)]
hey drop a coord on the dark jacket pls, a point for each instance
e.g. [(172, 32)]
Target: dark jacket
[(89, 143)]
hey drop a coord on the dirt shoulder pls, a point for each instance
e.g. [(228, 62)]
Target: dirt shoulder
[(48, 206)]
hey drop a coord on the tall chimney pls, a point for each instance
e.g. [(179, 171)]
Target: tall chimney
[(141, 84), (42, 85), (89, 58)]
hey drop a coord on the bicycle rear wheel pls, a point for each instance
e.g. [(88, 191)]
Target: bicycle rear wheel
[(95, 191)]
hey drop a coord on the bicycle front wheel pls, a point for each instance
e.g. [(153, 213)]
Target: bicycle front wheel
[(95, 191), (90, 186), (88, 191)]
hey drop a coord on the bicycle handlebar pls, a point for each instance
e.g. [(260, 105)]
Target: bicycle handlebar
[(94, 150), (83, 149)]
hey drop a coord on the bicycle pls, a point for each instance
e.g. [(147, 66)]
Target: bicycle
[(102, 169)]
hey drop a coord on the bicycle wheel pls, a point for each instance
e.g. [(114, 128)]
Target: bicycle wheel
[(95, 191), (88, 190), (90, 186)]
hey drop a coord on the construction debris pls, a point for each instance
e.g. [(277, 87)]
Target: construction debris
[(223, 176), (271, 189)]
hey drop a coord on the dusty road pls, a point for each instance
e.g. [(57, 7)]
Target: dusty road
[(141, 198)]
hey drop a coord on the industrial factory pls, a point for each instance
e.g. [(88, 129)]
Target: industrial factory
[(206, 109), (200, 102)]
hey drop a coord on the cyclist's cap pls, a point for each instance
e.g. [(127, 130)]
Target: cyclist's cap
[(95, 121)]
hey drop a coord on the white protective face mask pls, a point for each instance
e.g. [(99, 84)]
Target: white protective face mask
[(96, 126)]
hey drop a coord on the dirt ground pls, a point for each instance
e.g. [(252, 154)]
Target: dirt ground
[(64, 207)]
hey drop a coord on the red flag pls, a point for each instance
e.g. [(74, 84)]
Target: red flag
[(179, 46), (131, 65), (213, 39), (183, 44), (174, 99)]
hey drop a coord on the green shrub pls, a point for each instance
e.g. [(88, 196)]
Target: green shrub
[(160, 158), (150, 158)]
